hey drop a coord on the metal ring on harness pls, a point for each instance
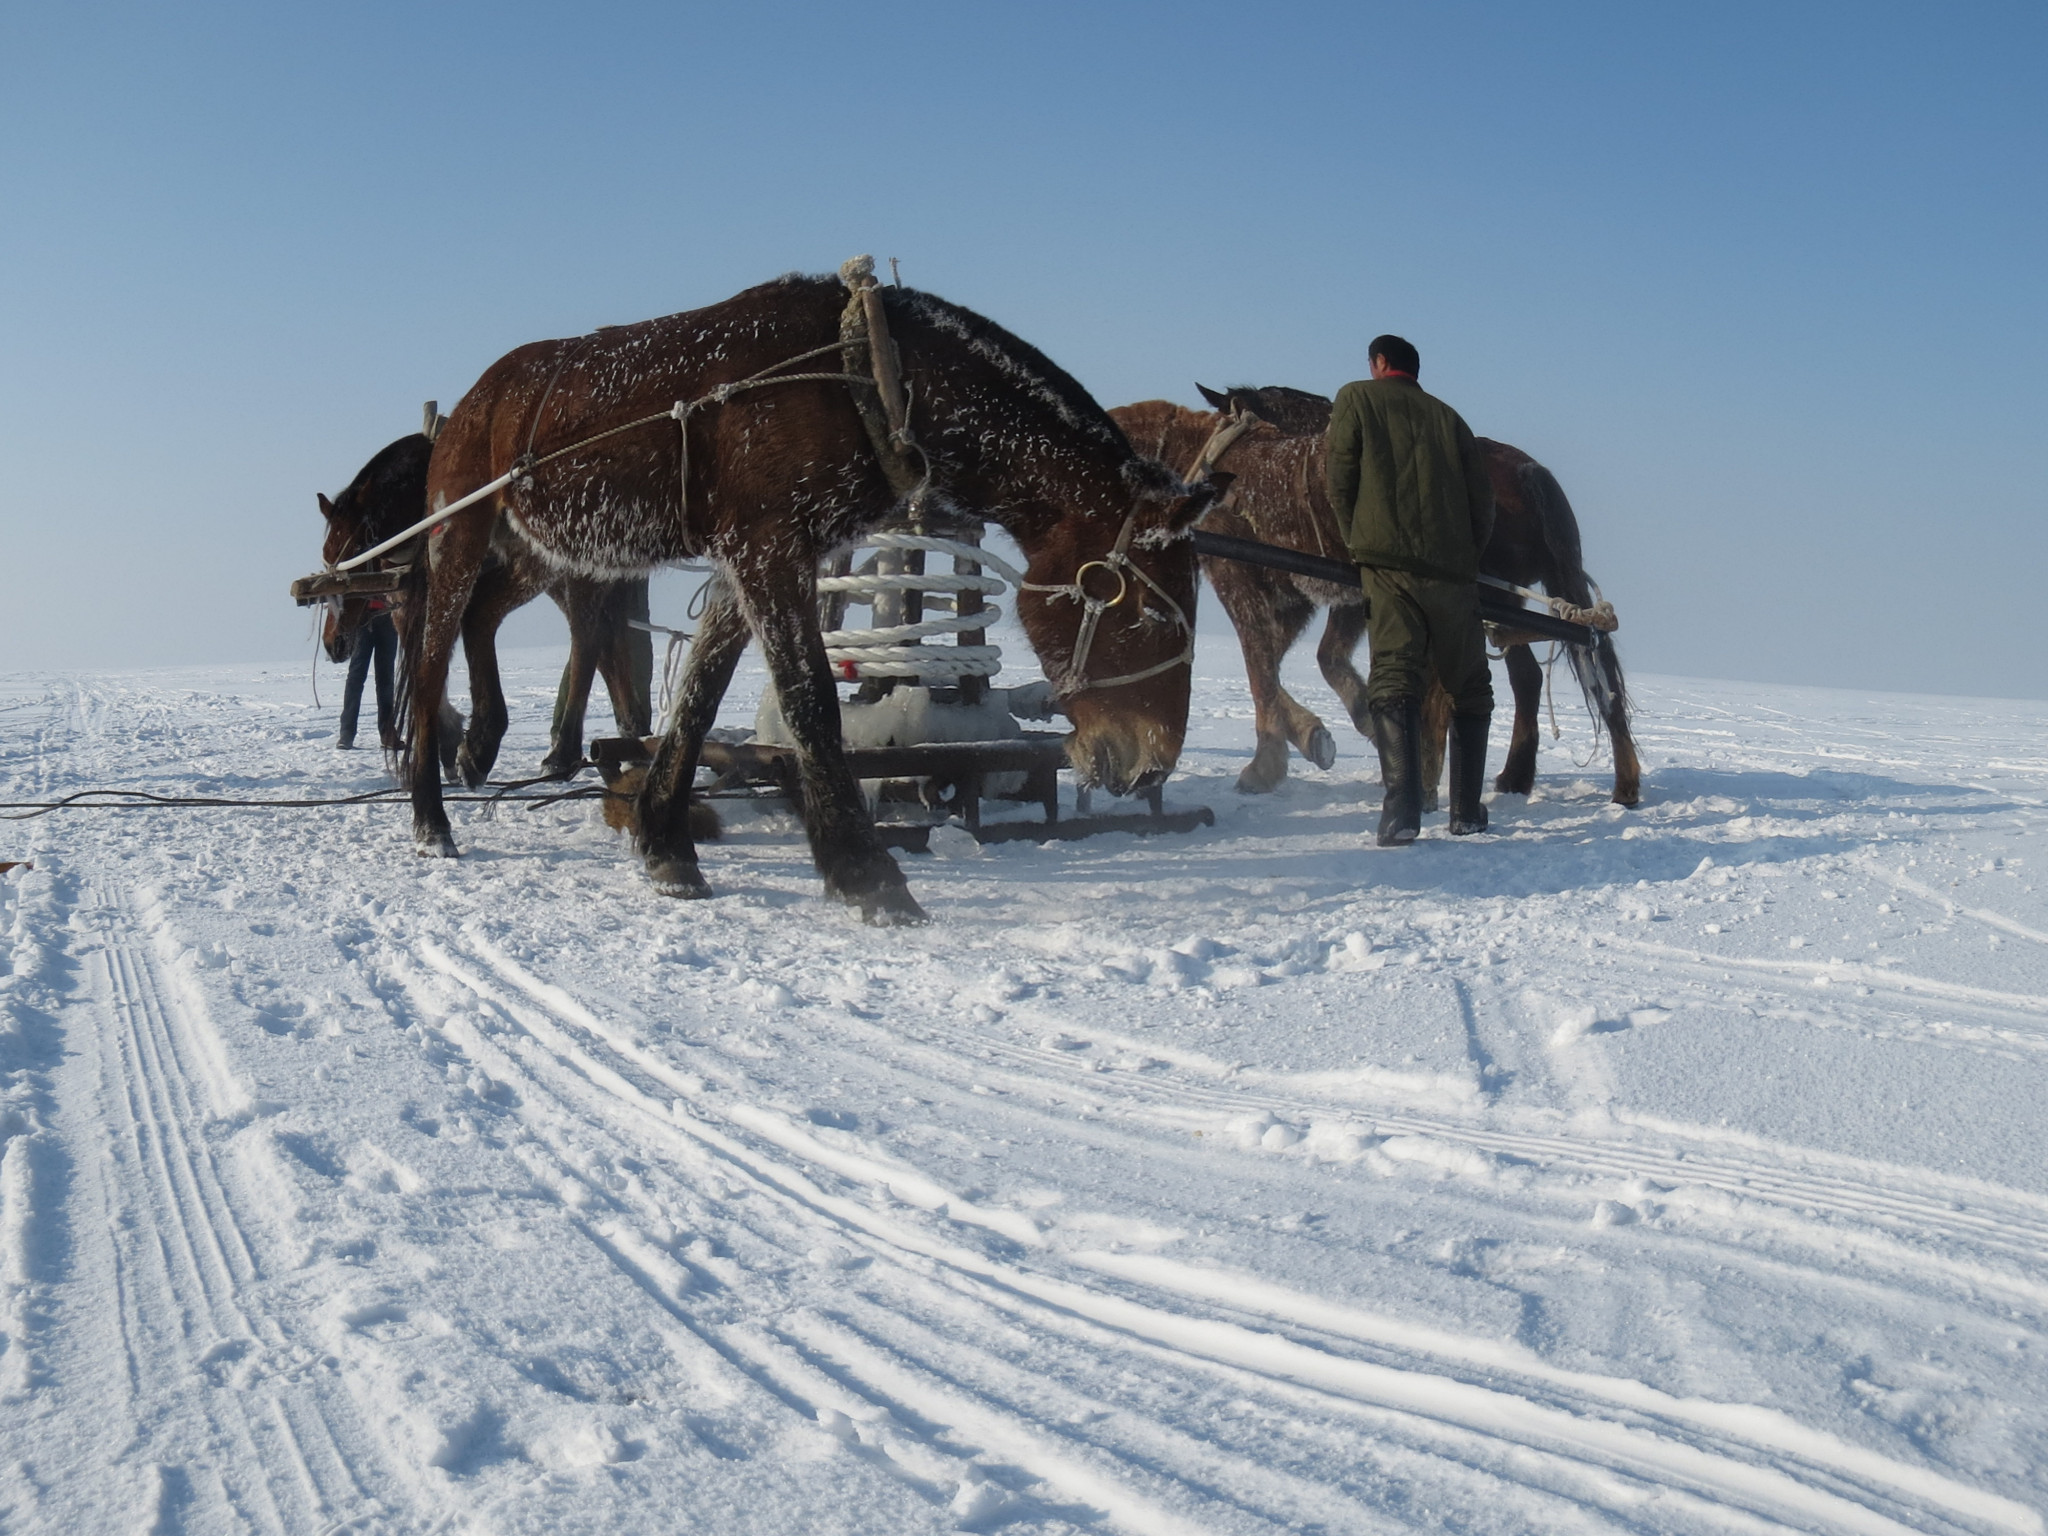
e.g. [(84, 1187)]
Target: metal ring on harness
[(1076, 678), (1080, 583)]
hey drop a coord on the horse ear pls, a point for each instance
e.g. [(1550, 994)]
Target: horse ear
[(1200, 498), (1255, 401), (1216, 402), (326, 506)]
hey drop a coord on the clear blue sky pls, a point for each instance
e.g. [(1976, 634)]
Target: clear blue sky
[(1763, 284)]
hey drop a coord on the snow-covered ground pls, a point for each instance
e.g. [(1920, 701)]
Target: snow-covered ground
[(1668, 1170)]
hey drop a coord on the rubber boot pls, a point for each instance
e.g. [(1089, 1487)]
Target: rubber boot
[(1468, 773), (1397, 732)]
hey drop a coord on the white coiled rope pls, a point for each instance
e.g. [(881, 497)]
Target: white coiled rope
[(898, 650)]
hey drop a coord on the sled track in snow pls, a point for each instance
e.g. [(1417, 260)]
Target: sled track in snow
[(903, 1377), (178, 1259), (1904, 986), (1907, 1202)]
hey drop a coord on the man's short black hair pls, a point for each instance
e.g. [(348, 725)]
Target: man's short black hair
[(1400, 355)]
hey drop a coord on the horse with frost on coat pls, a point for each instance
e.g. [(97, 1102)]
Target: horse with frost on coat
[(1277, 495), (748, 432), (389, 495)]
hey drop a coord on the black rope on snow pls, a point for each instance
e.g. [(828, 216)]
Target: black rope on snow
[(148, 800)]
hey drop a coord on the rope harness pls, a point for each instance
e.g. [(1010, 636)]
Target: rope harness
[(1600, 616), (1228, 430)]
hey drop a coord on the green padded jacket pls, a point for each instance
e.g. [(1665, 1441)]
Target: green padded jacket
[(1407, 483)]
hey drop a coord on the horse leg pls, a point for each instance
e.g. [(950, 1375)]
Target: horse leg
[(496, 594), (1266, 636), (583, 605), (857, 869), (1436, 725), (1628, 768), (1341, 634), (625, 658), (458, 558), (1525, 677), (661, 814)]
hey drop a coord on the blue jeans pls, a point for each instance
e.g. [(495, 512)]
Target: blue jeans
[(376, 641)]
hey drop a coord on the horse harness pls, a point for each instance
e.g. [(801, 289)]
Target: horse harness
[(1229, 428)]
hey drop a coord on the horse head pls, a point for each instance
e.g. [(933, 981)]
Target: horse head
[(1109, 604), (387, 494), (340, 617), (1295, 412)]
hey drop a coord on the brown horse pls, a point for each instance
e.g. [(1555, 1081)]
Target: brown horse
[(1278, 497), (389, 495), (746, 432)]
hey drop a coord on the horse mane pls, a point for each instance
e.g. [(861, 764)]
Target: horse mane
[(1020, 363), (390, 491), (1296, 412), (1022, 366)]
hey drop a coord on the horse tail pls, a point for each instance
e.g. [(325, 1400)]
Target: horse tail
[(1598, 670), (1596, 666)]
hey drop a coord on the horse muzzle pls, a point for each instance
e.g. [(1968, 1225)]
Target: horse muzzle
[(1122, 756)]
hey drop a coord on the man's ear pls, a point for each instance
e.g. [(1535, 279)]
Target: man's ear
[(326, 506)]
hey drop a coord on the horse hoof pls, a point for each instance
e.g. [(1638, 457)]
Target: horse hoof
[(676, 877), (466, 769), (556, 769), (1428, 801), (436, 845), (1628, 797), (1262, 775), (892, 907), (1322, 749)]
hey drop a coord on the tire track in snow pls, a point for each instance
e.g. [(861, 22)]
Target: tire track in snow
[(1784, 1472)]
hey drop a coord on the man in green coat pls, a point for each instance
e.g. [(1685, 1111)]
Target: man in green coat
[(1411, 493)]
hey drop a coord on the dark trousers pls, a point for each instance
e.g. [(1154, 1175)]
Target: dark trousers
[(1420, 625), (376, 641)]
